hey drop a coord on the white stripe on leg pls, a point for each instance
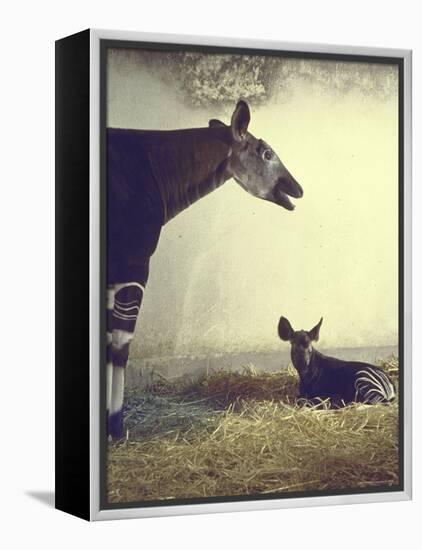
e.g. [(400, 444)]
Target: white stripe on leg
[(118, 390), (121, 338), (109, 382), (120, 342), (110, 297)]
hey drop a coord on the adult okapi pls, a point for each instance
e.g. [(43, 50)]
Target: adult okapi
[(151, 177)]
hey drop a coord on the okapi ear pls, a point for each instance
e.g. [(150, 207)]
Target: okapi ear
[(285, 330), (240, 120), (314, 333), (215, 123)]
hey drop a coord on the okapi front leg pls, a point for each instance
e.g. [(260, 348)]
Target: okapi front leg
[(127, 303), (109, 367)]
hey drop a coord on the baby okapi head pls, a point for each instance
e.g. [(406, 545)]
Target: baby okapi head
[(301, 341)]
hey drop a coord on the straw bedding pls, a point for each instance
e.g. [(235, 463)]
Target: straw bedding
[(234, 433)]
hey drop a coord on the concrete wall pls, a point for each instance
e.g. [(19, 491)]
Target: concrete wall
[(226, 268)]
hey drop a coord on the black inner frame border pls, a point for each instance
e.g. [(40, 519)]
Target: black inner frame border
[(106, 44)]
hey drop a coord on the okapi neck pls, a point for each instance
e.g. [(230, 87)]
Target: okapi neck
[(190, 164), (301, 365)]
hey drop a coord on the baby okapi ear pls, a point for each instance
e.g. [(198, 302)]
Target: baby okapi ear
[(240, 120), (285, 330), (314, 333), (215, 123)]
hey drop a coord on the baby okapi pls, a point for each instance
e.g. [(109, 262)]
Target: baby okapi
[(325, 377)]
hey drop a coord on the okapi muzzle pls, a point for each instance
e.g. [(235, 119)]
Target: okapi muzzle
[(286, 186)]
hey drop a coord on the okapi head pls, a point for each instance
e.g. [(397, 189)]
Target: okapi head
[(301, 340), (255, 166)]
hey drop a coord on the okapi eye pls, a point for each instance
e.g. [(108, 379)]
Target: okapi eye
[(267, 154)]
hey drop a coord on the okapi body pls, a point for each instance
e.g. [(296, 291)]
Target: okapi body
[(323, 377), (151, 177)]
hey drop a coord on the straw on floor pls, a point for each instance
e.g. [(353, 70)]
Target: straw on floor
[(243, 434)]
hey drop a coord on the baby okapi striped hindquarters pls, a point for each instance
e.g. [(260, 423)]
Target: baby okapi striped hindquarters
[(323, 377)]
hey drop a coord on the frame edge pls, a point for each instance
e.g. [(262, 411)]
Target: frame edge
[(96, 35)]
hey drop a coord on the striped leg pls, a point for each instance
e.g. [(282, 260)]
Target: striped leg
[(109, 368), (126, 306), (374, 386)]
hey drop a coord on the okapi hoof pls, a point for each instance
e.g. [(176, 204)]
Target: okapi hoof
[(115, 426)]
